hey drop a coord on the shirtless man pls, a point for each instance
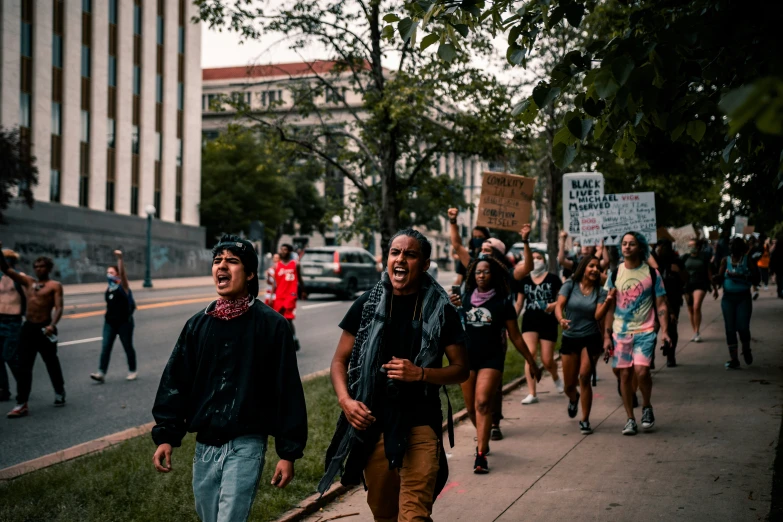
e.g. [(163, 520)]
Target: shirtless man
[(43, 295), (12, 304)]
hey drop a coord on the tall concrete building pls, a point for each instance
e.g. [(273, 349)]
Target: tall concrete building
[(107, 97)]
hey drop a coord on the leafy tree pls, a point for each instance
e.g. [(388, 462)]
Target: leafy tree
[(18, 173), (247, 177), (704, 74), (427, 106)]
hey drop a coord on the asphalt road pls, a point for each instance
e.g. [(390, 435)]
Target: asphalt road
[(96, 410)]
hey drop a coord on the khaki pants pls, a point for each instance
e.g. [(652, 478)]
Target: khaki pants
[(404, 495)]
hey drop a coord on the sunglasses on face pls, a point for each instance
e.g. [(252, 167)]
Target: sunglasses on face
[(483, 272)]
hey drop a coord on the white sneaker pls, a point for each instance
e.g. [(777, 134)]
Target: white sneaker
[(697, 338), (559, 386), (132, 376), (530, 399), (98, 376)]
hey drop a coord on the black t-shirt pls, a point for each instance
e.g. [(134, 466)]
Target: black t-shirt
[(672, 280), (538, 296), (404, 342), (484, 324)]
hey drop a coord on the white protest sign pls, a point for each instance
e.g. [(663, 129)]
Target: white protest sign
[(617, 214), (740, 222), (581, 192)]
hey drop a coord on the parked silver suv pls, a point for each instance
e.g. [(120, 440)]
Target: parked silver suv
[(342, 271)]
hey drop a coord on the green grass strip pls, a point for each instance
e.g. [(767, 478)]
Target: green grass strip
[(120, 484)]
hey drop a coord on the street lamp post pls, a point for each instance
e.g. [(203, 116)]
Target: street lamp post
[(336, 221), (150, 210)]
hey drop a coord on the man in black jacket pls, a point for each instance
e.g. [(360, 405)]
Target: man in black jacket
[(233, 380)]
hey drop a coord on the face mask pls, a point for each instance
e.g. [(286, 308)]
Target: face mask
[(539, 267), (694, 250)]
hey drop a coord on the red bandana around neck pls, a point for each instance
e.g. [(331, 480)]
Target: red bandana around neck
[(226, 309)]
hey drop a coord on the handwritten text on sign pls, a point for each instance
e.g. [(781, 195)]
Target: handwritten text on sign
[(617, 214), (582, 191), (505, 201)]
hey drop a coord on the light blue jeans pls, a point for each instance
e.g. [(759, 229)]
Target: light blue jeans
[(225, 478)]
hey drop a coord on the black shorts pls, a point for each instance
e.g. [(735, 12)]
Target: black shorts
[(703, 286), (573, 345), (481, 359), (544, 324)]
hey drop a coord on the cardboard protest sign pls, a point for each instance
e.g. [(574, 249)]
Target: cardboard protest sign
[(740, 222), (748, 230), (581, 191), (663, 233), (615, 214), (681, 237), (505, 201)]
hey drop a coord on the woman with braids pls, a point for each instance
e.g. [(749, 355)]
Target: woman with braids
[(489, 311), (581, 305)]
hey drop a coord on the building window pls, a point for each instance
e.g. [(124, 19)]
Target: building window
[(137, 80), (157, 202), (181, 96), (181, 40), (135, 201), (85, 61), (111, 130), (112, 71), (179, 152), (113, 12), (110, 196), (160, 30), (87, 6), (57, 51), (27, 39), (24, 106), (178, 209), (86, 126), (335, 96), (84, 191), (57, 122), (159, 88), (135, 143), (136, 19), (54, 186)]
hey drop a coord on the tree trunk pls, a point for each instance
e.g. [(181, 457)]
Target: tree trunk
[(550, 210)]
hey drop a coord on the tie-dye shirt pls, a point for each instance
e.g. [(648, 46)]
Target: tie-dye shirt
[(635, 310)]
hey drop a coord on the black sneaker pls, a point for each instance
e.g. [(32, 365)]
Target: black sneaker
[(733, 364), (671, 362), (584, 427), (496, 434), (648, 419), (755, 295), (59, 399), (747, 356), (480, 465), (573, 406)]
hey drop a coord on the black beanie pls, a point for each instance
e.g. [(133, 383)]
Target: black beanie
[(244, 250)]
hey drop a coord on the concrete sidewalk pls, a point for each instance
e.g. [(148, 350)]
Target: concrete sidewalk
[(710, 456)]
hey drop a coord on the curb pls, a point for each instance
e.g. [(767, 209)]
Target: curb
[(315, 502), (95, 446), (73, 452)]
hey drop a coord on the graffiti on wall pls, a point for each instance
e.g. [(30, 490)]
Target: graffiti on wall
[(79, 261)]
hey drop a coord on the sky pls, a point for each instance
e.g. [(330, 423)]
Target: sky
[(224, 50)]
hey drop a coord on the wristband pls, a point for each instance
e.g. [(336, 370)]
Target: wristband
[(526, 241), (453, 221)]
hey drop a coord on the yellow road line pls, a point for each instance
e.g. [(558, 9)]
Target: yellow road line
[(144, 307), (138, 301)]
